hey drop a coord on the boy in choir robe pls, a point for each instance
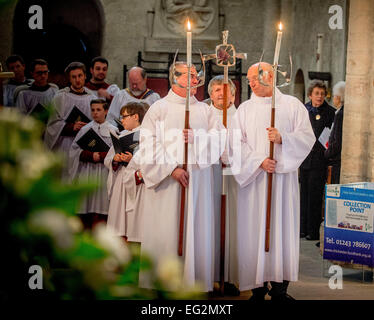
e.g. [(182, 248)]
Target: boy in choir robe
[(87, 165), (60, 133), (125, 183), (215, 89), (39, 92)]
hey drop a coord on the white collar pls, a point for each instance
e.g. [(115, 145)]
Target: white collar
[(266, 100), (173, 97)]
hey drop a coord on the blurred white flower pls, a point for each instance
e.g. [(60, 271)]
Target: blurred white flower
[(55, 224), (34, 163), (114, 244), (75, 224), (169, 271)]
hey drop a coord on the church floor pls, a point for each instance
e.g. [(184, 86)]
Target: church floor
[(314, 278)]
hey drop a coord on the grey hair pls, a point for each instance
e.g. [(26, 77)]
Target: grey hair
[(339, 89), (218, 80), (316, 84)]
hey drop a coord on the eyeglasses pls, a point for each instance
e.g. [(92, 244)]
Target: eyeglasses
[(125, 116), (194, 76)]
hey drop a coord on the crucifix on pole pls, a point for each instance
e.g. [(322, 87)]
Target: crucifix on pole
[(225, 57)]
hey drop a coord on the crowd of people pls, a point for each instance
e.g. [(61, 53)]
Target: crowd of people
[(139, 189)]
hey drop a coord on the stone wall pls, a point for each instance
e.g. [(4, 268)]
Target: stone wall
[(251, 23)]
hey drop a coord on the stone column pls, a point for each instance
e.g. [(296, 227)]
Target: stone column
[(358, 142)]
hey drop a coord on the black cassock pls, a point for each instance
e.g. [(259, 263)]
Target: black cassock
[(333, 153), (313, 173)]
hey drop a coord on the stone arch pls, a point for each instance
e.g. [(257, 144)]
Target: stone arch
[(299, 86), (72, 31)]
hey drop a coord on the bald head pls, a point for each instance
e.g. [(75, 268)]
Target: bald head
[(252, 76), (137, 80)]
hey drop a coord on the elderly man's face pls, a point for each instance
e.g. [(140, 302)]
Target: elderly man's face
[(217, 95), (137, 84), (337, 101), (317, 97), (259, 89), (183, 81)]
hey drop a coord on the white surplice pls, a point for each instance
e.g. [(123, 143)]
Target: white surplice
[(63, 104), (121, 98), (28, 99), (231, 252), (292, 120), (124, 218), (98, 201), (162, 131)]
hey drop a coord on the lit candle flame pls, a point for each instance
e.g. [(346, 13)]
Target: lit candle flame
[(188, 25), (280, 26)]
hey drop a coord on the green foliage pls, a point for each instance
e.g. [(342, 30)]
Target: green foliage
[(39, 227)]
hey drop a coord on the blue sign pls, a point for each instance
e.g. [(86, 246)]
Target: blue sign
[(349, 219)]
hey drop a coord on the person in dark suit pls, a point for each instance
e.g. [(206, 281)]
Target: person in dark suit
[(333, 153), (313, 169)]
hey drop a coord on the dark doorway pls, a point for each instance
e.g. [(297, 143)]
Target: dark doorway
[(299, 87), (72, 31)]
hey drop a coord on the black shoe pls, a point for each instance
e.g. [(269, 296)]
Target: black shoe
[(256, 298), (302, 235), (231, 290), (282, 297), (258, 294), (309, 237), (318, 244)]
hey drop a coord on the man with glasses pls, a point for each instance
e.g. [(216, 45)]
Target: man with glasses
[(40, 92), (136, 92), (162, 141)]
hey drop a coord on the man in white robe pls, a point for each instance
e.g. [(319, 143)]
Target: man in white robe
[(40, 91), (137, 92), (215, 90), (60, 134), (293, 139), (162, 133)]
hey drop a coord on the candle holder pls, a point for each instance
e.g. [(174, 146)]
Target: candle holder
[(174, 74), (287, 75)]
